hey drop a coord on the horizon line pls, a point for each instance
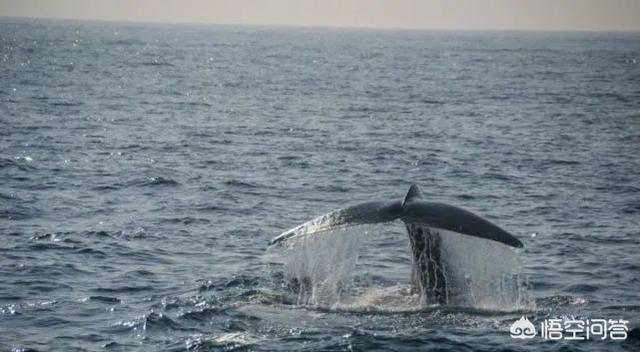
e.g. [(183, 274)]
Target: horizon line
[(322, 26)]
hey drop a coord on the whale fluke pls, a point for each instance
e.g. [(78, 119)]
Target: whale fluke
[(411, 209), (422, 220)]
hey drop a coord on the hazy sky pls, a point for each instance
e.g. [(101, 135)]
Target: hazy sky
[(621, 15)]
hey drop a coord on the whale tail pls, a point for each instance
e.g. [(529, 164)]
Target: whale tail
[(423, 221), (413, 211)]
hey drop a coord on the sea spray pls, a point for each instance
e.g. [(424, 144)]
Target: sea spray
[(484, 274), (319, 269)]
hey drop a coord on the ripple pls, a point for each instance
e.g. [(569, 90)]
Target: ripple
[(559, 301), (159, 321), (140, 273), (187, 220), (20, 212), (126, 42), (581, 288), (66, 103), (92, 252), (124, 289), (623, 307), (19, 163), (561, 162), (46, 237), (157, 63), (105, 299), (240, 184), (203, 315), (150, 322), (210, 208), (156, 181), (49, 322), (50, 246)]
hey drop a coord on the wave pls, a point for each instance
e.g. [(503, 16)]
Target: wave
[(241, 184), (124, 289), (152, 321), (157, 181), (202, 315), (105, 299), (152, 181), (157, 63)]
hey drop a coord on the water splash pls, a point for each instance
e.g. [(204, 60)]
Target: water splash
[(227, 341), (320, 269), (484, 274)]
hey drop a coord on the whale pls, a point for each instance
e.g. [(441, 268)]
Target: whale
[(425, 222)]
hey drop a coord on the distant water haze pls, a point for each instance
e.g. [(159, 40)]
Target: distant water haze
[(583, 15)]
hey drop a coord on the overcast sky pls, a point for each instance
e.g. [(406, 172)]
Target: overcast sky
[(598, 15)]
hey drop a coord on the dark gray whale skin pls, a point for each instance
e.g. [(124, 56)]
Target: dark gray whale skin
[(412, 209), (422, 220)]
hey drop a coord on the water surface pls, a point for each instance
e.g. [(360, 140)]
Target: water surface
[(144, 168)]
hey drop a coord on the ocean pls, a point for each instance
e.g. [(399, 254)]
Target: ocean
[(144, 168)]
